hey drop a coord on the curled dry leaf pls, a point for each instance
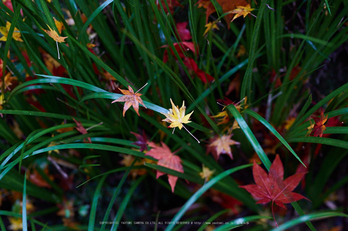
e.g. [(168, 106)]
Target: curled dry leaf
[(81, 129)]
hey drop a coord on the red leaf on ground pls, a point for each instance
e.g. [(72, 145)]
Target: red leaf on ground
[(272, 187)]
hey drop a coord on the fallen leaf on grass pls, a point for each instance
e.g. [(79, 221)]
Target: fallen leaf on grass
[(272, 187), (166, 159), (131, 99)]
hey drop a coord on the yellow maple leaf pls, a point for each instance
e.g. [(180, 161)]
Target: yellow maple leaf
[(16, 223), (131, 99), (206, 173), (177, 116), (8, 80), (16, 35), (209, 26), (241, 11), (53, 34)]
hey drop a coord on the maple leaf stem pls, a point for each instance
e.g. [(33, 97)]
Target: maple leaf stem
[(269, 7), (141, 88), (58, 49), (60, 170), (94, 126), (221, 104), (191, 134), (273, 213)]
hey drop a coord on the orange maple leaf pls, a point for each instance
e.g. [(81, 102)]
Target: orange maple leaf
[(131, 99), (227, 6), (221, 145), (241, 11), (166, 159), (53, 34)]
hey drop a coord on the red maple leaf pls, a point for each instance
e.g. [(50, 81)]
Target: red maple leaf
[(166, 159), (272, 187)]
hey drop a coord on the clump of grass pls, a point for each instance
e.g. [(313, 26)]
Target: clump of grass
[(73, 156)]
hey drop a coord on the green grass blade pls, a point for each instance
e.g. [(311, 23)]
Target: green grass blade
[(124, 203), (92, 17), (247, 80), (250, 136), (308, 217), (271, 129), (93, 211), (212, 218), (239, 222), (24, 206)]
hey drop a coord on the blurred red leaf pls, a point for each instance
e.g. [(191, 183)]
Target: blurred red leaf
[(318, 127), (141, 142), (183, 32), (192, 65)]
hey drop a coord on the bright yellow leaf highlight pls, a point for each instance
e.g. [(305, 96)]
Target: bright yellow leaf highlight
[(177, 116), (53, 34), (4, 31), (2, 101), (209, 26), (16, 223), (206, 173), (241, 11)]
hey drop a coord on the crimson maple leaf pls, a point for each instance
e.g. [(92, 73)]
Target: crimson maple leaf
[(272, 187), (166, 159), (131, 99)]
